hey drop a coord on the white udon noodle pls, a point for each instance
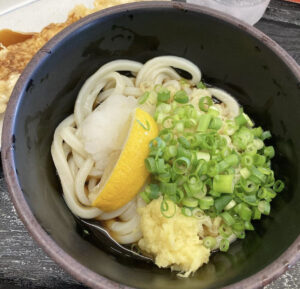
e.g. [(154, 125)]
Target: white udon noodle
[(76, 167)]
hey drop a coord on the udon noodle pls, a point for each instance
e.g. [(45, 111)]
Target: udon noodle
[(75, 166), (80, 170)]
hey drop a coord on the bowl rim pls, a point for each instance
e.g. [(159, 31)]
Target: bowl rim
[(72, 266)]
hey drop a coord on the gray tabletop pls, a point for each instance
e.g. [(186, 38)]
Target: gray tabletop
[(24, 265)]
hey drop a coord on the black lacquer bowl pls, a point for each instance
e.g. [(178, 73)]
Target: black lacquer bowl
[(231, 55)]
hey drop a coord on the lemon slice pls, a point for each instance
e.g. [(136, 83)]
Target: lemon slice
[(126, 173)]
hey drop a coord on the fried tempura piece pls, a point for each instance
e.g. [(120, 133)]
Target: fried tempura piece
[(14, 58)]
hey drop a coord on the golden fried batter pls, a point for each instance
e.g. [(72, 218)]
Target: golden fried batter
[(14, 58)]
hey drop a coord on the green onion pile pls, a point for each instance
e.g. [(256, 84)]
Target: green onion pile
[(207, 163)]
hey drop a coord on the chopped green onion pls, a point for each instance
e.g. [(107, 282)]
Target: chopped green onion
[(213, 111), (216, 123), (248, 186), (180, 180), (257, 131), (256, 214), (228, 219), (238, 226), (259, 144), (205, 102), (265, 171), (189, 123), (266, 193), (265, 135), (159, 117), (190, 202), (168, 188), (186, 212), (163, 108), (193, 179), (209, 242), (247, 160), (232, 160), (201, 85), (203, 156), (255, 180), (179, 126), (164, 207), (181, 97), (184, 142), (180, 111), (168, 122), (157, 143), (270, 179), (259, 160), (224, 245), (225, 152), (144, 97), (258, 174), (183, 81), (230, 127), (244, 212), (199, 195), (278, 186), (160, 166), (250, 200), (187, 190), (249, 226), (264, 207), (251, 149), (230, 205), (241, 119), (249, 121), (214, 194), (145, 127), (201, 168), (212, 168), (223, 184), (221, 203), (208, 165), (154, 191), (242, 137), (240, 235), (208, 142), (206, 202), (179, 195), (163, 95), (166, 136), (196, 188), (164, 177), (170, 152), (245, 173), (182, 152), (222, 166), (197, 213), (145, 197), (225, 231), (269, 152), (204, 121), (150, 165)]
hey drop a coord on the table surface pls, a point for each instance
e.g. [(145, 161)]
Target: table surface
[(24, 265)]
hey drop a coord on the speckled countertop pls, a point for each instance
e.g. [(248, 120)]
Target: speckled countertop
[(24, 265)]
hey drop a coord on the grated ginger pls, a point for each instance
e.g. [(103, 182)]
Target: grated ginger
[(174, 242)]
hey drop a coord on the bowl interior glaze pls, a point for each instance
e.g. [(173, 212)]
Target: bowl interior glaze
[(228, 56)]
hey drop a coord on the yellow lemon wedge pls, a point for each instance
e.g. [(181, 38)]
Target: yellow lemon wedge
[(127, 173)]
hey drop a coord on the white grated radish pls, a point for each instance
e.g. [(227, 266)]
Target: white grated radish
[(105, 129)]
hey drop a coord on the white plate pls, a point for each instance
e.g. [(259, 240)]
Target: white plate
[(34, 15)]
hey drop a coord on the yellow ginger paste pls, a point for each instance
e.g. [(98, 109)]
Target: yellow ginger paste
[(174, 241)]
